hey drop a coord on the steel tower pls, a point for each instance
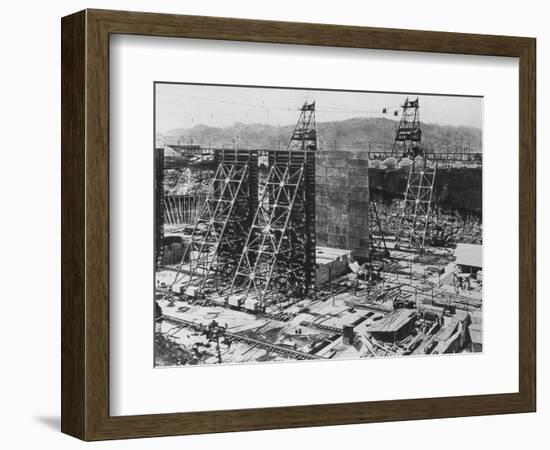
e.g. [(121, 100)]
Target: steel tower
[(279, 254)]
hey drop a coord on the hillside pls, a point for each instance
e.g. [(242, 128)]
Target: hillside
[(340, 135)]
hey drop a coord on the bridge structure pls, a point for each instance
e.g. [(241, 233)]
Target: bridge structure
[(440, 157)]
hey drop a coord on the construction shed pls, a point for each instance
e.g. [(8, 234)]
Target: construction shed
[(453, 334), (331, 263), (469, 258), (394, 327)]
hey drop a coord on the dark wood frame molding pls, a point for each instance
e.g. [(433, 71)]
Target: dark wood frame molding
[(85, 224)]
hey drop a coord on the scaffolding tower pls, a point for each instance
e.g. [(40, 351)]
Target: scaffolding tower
[(279, 253), (220, 229), (415, 213), (408, 134)]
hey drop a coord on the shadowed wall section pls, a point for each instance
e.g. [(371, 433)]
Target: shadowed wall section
[(342, 197)]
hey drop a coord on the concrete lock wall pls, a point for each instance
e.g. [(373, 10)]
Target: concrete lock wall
[(341, 201)]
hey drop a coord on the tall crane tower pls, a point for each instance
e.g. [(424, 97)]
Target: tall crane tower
[(408, 134), (415, 212), (304, 136), (279, 253)]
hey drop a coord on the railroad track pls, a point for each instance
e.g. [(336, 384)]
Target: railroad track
[(290, 353), (176, 321), (279, 317), (294, 354)]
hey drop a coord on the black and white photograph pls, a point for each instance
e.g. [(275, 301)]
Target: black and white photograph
[(275, 225), (298, 224)]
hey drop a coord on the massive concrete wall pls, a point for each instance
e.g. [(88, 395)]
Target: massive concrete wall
[(159, 205), (342, 198)]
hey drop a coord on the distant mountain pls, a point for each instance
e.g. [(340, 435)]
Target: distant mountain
[(350, 134)]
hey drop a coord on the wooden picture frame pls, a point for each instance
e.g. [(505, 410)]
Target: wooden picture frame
[(85, 224)]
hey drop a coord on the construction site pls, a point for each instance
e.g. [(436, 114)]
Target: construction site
[(303, 252)]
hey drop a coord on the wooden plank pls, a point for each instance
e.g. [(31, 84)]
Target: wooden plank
[(73, 228)]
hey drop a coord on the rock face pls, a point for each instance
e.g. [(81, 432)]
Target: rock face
[(455, 190)]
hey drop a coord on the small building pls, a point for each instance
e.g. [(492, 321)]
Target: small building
[(348, 334), (453, 335), (469, 258), (394, 327)]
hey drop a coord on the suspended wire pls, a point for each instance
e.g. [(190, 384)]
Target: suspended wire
[(332, 110)]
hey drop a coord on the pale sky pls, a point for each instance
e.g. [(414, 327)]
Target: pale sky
[(186, 105)]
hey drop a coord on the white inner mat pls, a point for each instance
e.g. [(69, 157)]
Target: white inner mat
[(137, 388)]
